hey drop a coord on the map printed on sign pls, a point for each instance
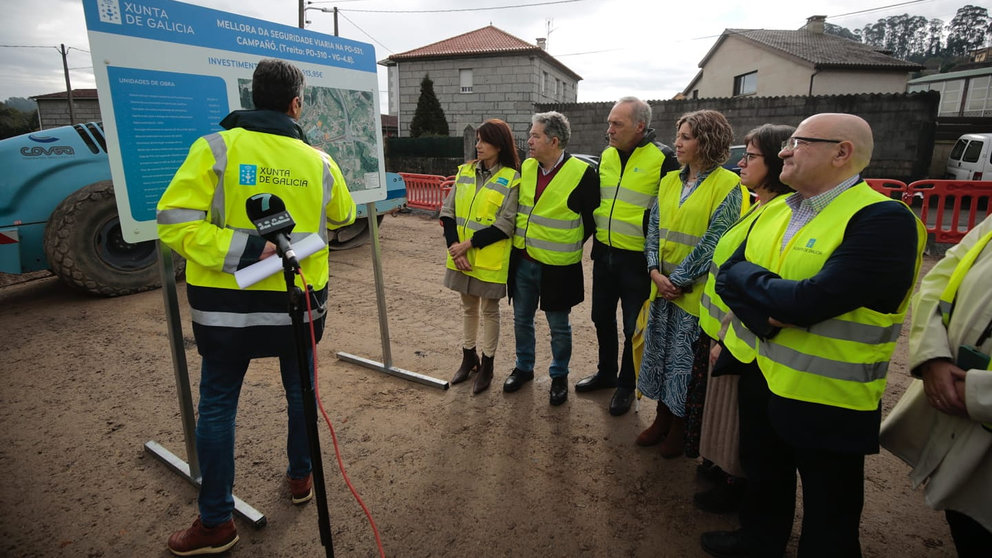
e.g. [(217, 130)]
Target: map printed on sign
[(167, 73)]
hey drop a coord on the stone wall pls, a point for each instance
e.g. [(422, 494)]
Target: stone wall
[(903, 124), (55, 112)]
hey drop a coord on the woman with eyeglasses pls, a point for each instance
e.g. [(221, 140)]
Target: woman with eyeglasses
[(719, 442), (695, 205)]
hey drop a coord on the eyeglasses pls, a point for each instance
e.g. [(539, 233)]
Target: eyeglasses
[(794, 142), (747, 156)]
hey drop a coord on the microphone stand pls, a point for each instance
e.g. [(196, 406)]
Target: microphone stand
[(297, 305)]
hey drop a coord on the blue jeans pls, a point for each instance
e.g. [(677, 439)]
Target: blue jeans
[(220, 388), (526, 292)]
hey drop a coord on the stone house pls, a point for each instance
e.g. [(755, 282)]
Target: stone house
[(486, 73), (807, 61), (53, 108)]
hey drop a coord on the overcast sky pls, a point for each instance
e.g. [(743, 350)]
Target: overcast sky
[(647, 48)]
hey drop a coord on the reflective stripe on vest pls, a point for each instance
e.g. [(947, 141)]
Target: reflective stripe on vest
[(681, 227), (476, 209), (625, 195), (550, 231), (712, 311), (841, 361)]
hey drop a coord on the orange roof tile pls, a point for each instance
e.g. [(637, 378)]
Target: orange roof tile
[(488, 40)]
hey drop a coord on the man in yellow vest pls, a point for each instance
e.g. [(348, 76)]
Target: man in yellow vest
[(558, 194), (630, 170), (202, 216), (823, 282)]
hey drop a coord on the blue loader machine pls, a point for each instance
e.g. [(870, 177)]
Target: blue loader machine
[(58, 212)]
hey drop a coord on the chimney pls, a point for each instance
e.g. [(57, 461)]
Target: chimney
[(814, 24), (542, 43)]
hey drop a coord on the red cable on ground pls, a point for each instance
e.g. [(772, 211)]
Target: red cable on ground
[(337, 451)]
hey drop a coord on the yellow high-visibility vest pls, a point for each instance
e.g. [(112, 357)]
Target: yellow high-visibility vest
[(841, 361), (712, 311), (303, 177), (550, 231), (624, 199), (681, 227), (476, 209)]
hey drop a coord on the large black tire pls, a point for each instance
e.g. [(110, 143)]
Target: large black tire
[(86, 249), (354, 235)]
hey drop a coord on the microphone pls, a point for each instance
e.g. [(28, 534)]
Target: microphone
[(268, 213)]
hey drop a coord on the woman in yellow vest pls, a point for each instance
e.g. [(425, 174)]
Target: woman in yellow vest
[(695, 206), (479, 219), (719, 442)]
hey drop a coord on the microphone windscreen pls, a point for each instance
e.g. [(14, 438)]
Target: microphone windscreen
[(263, 205)]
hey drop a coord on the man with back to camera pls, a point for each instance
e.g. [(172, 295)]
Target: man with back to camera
[(558, 194), (826, 323), (630, 170), (202, 216)]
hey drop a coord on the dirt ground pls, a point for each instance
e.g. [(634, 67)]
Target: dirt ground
[(87, 381)]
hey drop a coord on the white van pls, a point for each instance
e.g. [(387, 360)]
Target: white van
[(971, 158)]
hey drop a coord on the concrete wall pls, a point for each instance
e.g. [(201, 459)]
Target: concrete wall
[(503, 87), (903, 124), (781, 75), (55, 112)]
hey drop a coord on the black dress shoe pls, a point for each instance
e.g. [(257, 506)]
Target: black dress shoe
[(559, 390), (724, 544), (517, 379), (622, 398), (594, 382), (725, 497)]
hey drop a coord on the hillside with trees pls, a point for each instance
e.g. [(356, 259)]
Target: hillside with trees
[(932, 42)]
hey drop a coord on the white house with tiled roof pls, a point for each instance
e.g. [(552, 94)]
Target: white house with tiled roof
[(486, 73), (806, 61)]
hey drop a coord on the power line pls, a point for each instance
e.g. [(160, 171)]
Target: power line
[(878, 9), (509, 7), (363, 31)]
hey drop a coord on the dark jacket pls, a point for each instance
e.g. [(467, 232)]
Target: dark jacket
[(872, 267)]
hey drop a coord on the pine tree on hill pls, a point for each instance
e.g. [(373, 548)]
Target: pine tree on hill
[(428, 119)]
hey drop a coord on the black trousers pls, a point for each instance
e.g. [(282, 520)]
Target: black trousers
[(833, 485), (623, 279), (970, 539)]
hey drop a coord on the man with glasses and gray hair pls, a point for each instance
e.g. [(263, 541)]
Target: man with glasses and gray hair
[(630, 170), (558, 194), (824, 325)]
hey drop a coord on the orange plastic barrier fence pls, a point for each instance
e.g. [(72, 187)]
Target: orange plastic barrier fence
[(426, 191), (951, 208), (888, 187)]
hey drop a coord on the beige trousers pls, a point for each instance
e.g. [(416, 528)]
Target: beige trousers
[(490, 322)]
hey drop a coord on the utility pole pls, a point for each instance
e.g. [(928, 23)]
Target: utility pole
[(333, 10), (68, 87)]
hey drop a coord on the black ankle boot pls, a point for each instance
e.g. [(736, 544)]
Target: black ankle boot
[(470, 363), (485, 376)]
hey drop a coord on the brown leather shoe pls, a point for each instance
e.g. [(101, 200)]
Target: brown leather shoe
[(203, 540), (485, 376), (655, 433), (301, 489), (674, 443), (470, 363)]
